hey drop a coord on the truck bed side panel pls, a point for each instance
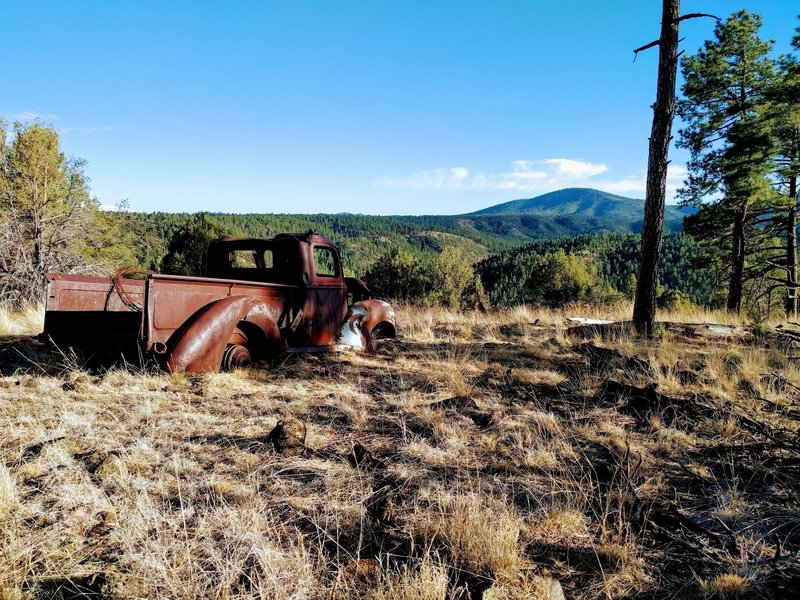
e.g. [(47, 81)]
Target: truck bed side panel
[(171, 300), (92, 312)]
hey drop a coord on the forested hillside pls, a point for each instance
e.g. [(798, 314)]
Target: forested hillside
[(363, 238)]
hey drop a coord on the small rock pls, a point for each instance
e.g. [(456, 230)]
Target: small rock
[(513, 330), (288, 436), (112, 469), (551, 588)]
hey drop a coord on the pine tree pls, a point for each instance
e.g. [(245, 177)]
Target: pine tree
[(186, 253), (48, 219), (644, 306), (785, 99), (728, 135)]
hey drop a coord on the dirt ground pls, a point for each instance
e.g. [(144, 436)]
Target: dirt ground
[(476, 456)]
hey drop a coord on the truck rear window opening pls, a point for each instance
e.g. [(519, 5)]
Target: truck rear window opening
[(249, 259), (325, 262)]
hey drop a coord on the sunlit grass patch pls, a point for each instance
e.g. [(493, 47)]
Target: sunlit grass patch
[(26, 321)]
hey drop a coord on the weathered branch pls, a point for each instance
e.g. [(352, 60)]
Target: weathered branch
[(645, 47), (688, 16)]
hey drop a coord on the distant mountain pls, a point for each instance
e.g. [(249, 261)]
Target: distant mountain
[(619, 212)]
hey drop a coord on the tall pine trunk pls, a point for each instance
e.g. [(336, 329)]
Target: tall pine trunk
[(737, 255), (644, 306), (40, 198), (791, 252), (38, 255)]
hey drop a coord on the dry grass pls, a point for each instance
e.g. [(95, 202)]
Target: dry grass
[(29, 321), (427, 580), (478, 454), (480, 534), (727, 586)]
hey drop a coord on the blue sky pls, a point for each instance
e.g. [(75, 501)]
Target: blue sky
[(412, 107)]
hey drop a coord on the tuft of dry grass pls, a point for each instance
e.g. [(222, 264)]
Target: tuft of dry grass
[(426, 580), (560, 524), (27, 321), (480, 535), (728, 586), (8, 492)]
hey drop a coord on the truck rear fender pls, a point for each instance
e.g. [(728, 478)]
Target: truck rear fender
[(198, 344), (261, 332)]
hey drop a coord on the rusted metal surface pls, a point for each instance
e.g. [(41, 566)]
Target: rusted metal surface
[(198, 344), (379, 322), (259, 298), (83, 309)]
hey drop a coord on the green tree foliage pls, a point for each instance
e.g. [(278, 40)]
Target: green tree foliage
[(561, 278), (550, 278), (188, 246), (399, 275), (785, 111), (452, 277), (728, 134), (362, 239), (515, 276), (49, 220), (448, 279)]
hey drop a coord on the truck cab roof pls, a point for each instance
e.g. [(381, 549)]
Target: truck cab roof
[(286, 259)]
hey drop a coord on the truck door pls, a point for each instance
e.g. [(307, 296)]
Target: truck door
[(330, 296)]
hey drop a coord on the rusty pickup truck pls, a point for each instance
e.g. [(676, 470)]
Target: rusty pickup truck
[(258, 299)]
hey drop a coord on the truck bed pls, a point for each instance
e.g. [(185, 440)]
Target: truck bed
[(131, 315)]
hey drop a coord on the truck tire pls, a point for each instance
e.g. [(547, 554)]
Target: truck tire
[(236, 356)]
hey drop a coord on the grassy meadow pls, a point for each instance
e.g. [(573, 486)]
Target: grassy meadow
[(500, 455)]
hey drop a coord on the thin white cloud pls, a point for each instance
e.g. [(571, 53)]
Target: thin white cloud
[(524, 176), (534, 177), (636, 185), (452, 178), (30, 115), (551, 173), (577, 169), (68, 130)]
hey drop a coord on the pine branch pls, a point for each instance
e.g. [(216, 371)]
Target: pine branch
[(645, 47), (688, 16)]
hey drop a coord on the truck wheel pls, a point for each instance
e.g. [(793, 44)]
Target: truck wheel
[(380, 334), (236, 356)]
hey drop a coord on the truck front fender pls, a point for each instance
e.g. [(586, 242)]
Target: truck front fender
[(199, 344), (366, 322)]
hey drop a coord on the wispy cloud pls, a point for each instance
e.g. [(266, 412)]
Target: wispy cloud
[(636, 185), (539, 176), (524, 176), (68, 130), (30, 115)]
